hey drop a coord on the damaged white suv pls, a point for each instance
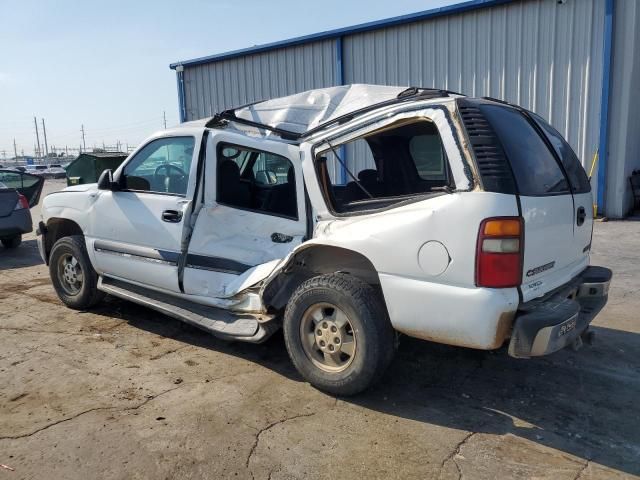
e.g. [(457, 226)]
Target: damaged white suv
[(343, 215)]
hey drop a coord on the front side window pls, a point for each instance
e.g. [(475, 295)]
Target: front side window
[(256, 180), (535, 168), (577, 176), (162, 166), (386, 167)]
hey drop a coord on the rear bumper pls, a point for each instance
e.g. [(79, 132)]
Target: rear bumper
[(546, 325), (17, 223)]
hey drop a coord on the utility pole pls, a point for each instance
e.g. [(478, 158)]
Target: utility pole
[(164, 117), (44, 132), (15, 149), (83, 142), (37, 137)]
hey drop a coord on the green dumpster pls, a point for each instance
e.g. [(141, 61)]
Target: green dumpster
[(89, 165)]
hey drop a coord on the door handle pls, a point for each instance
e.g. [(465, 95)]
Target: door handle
[(581, 215), (171, 216)]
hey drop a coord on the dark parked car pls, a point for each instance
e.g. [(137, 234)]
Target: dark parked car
[(18, 193)]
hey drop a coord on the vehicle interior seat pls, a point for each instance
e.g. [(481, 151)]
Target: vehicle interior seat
[(231, 190), (368, 178), (283, 197)]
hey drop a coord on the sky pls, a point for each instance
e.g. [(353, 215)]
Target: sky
[(105, 64)]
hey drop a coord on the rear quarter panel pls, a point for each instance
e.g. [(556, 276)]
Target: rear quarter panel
[(423, 302)]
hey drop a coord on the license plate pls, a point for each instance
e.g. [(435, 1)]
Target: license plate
[(567, 326)]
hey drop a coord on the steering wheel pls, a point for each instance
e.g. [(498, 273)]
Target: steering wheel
[(166, 177)]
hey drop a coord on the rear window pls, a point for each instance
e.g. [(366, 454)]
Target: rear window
[(577, 176), (535, 168)]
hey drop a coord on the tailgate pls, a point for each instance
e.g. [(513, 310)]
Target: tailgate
[(552, 254), (557, 218)]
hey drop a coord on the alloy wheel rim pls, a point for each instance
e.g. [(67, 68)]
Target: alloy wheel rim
[(70, 274), (328, 337)]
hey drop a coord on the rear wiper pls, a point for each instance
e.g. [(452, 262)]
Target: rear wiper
[(444, 188)]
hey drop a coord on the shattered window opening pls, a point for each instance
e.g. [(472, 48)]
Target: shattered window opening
[(392, 165)]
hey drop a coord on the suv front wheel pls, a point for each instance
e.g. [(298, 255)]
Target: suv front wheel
[(338, 334), (73, 277)]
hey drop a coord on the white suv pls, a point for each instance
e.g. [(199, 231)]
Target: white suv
[(461, 221)]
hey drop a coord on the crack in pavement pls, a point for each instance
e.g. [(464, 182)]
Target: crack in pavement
[(582, 469), (73, 417), (274, 424), (169, 352), (135, 407), (454, 452), (53, 332), (260, 431)]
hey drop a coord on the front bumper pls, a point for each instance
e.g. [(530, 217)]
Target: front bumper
[(17, 223), (548, 324)]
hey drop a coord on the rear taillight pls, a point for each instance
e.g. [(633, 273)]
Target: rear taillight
[(499, 252), (22, 202)]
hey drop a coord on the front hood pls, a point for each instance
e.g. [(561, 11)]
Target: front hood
[(81, 188), (78, 188)]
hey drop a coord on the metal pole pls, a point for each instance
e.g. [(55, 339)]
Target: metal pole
[(164, 117), (83, 142), (44, 132), (15, 150), (35, 122)]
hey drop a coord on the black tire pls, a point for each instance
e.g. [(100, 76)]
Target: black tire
[(374, 343), (12, 242), (87, 294)]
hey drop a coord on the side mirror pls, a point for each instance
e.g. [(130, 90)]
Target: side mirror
[(105, 182)]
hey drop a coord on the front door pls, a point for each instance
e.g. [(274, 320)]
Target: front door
[(137, 230), (253, 214)]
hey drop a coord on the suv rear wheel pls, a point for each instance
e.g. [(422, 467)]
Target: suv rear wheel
[(338, 334), (73, 277)]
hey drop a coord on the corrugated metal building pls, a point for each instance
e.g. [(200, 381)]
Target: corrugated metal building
[(575, 62)]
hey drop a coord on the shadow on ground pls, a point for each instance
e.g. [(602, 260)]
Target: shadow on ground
[(582, 403), (26, 255)]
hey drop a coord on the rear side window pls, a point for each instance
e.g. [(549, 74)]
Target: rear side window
[(402, 162), (535, 168), (427, 154), (254, 180), (577, 176)]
